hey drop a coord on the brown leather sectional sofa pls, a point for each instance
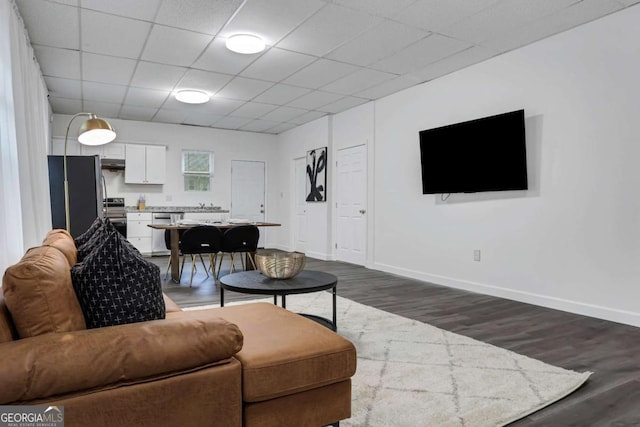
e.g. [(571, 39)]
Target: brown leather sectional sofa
[(244, 365)]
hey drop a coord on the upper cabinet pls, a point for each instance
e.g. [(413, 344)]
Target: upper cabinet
[(113, 150), (145, 164)]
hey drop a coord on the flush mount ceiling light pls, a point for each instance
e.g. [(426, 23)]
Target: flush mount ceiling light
[(245, 43), (192, 96)]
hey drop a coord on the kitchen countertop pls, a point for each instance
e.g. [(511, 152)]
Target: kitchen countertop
[(185, 209)]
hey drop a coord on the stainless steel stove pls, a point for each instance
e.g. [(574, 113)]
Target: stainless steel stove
[(115, 211)]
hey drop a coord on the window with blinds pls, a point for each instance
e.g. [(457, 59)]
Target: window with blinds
[(197, 169)]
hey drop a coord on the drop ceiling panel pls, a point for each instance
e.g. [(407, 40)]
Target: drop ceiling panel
[(281, 94), (433, 15), (218, 58), (277, 64), (113, 35), (387, 88), (203, 80), (222, 106), (258, 125), (102, 109), (384, 8), (243, 88), (268, 19), (138, 9), (282, 127), (129, 112), (421, 54), (575, 14), (64, 34), (65, 106), (169, 116), (462, 59), (322, 56), (103, 92), (157, 76), (377, 43), (502, 17), (307, 117), (201, 119), (284, 114), (58, 62), (253, 110), (64, 87), (107, 69), (320, 73), (204, 16), (330, 27), (141, 97), (360, 80), (315, 99), (174, 46), (342, 104), (232, 122)]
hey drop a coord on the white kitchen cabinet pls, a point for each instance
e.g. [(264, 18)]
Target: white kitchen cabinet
[(138, 231), (145, 164), (113, 150)]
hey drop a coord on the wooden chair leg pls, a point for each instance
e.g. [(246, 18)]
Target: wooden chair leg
[(206, 270), (166, 273), (212, 263), (244, 268), (184, 257), (253, 261), (233, 260)]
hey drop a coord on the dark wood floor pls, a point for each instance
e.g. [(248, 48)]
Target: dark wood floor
[(611, 397)]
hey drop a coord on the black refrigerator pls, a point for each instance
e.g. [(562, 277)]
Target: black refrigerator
[(85, 192)]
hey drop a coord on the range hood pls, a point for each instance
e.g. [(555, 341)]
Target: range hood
[(112, 164)]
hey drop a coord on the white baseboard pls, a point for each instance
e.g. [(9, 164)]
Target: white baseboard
[(318, 255), (591, 310), (278, 246)]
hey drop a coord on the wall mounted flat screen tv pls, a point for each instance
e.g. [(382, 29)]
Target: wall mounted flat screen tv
[(486, 154)]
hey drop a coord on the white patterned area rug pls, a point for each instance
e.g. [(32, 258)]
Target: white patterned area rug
[(414, 374)]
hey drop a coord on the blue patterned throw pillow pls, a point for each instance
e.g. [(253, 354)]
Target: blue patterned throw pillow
[(115, 285)]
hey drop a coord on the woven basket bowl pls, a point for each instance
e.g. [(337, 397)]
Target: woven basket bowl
[(280, 265)]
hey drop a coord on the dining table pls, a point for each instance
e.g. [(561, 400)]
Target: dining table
[(174, 232)]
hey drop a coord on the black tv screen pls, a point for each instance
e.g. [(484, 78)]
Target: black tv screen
[(486, 154)]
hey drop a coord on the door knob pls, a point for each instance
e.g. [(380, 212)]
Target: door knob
[(362, 211)]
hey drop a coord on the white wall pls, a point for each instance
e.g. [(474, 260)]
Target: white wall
[(572, 241), (226, 145), (292, 145)]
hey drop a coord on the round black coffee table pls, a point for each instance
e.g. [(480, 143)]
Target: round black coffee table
[(254, 282)]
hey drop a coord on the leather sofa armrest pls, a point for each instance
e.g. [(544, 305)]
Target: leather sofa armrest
[(170, 305), (58, 363)]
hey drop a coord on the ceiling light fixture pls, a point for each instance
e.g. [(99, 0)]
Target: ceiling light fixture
[(245, 44), (191, 96)]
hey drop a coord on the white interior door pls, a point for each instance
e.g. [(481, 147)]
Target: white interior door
[(247, 192), (300, 206), (351, 204)]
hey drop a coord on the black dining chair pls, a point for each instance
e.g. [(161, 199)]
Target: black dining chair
[(167, 243), (200, 240), (239, 239)]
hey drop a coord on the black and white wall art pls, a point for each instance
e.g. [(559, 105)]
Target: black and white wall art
[(317, 175)]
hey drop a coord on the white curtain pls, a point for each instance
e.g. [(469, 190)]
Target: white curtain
[(25, 212)]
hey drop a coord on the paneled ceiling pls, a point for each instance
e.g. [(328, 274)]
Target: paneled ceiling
[(125, 58)]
